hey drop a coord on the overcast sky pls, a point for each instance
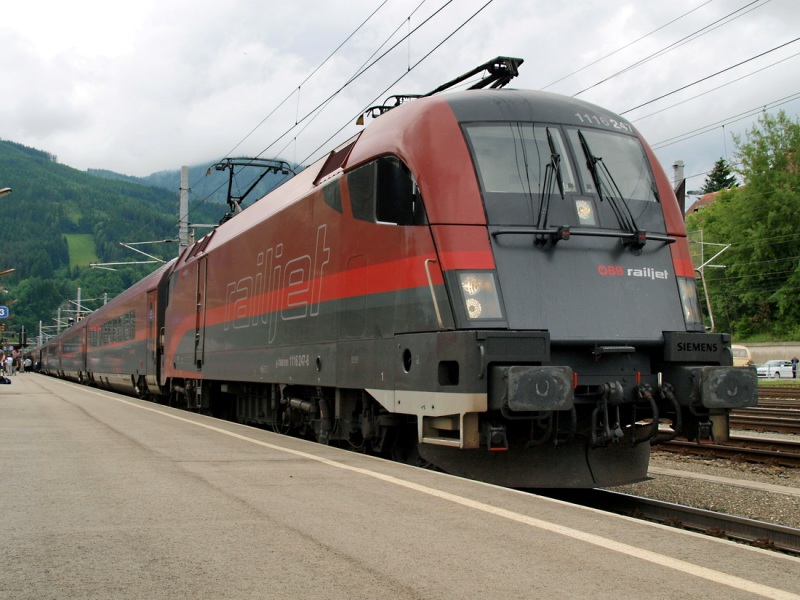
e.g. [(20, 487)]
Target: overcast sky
[(145, 86)]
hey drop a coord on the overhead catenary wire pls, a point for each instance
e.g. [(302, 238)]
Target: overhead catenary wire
[(685, 40), (707, 77), (330, 99), (314, 113), (727, 121), (628, 45), (352, 79), (416, 64), (286, 99), (360, 71), (308, 77), (716, 89)]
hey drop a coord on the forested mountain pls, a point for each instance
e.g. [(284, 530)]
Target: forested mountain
[(59, 219), (207, 183)]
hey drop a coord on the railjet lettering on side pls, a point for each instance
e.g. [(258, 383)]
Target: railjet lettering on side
[(697, 347), (281, 288)]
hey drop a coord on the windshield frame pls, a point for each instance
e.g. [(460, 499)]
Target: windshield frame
[(580, 205)]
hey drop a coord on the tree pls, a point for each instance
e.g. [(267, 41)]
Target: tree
[(721, 177), (756, 294)]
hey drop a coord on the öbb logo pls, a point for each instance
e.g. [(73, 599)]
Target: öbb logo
[(611, 270), (644, 272)]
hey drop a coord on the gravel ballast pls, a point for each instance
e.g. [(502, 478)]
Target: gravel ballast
[(769, 506)]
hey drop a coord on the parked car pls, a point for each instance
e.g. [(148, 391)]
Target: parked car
[(742, 356), (776, 369)]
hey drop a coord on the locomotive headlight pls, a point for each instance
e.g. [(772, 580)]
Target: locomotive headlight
[(479, 291), (690, 304)]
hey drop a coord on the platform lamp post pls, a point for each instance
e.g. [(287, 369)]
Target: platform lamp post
[(4, 312), (4, 309)]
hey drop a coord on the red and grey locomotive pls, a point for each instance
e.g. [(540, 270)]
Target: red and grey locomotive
[(496, 282)]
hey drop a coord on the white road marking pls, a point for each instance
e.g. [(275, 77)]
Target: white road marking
[(719, 577)]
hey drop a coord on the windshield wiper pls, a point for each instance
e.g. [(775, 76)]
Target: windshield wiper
[(552, 174), (625, 217), (555, 161)]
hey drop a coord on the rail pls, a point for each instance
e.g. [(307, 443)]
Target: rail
[(762, 451), (757, 533)]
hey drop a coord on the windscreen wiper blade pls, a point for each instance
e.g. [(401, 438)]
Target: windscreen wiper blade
[(625, 217), (552, 175), (555, 161)]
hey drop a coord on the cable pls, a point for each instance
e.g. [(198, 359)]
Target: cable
[(739, 117), (710, 76), (352, 79), (196, 205), (357, 71), (286, 99), (621, 48), (719, 87), (331, 55), (691, 37), (415, 65)]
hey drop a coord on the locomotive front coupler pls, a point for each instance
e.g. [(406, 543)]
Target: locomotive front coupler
[(667, 392), (702, 426), (603, 431), (645, 392)]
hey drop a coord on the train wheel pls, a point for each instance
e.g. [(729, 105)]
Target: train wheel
[(141, 389), (406, 448)]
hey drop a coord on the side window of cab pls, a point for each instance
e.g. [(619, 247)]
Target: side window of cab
[(384, 191)]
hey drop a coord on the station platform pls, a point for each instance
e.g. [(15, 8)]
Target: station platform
[(105, 496)]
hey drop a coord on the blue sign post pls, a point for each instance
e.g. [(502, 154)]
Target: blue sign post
[(3, 312)]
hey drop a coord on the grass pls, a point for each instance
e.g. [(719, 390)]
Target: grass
[(81, 249), (781, 382)]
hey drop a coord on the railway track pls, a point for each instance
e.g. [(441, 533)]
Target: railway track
[(778, 411), (783, 453), (757, 533), (755, 420), (777, 402), (790, 392)]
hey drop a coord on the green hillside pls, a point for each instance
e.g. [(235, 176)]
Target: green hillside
[(82, 251), (58, 220)]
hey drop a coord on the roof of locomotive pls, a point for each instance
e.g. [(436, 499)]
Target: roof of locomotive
[(523, 105)]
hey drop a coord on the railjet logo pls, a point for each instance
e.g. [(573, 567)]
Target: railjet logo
[(619, 271), (648, 273)]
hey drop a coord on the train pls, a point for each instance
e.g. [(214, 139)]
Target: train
[(493, 282)]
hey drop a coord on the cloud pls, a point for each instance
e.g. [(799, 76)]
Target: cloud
[(149, 86)]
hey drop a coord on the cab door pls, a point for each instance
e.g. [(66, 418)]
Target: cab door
[(200, 314)]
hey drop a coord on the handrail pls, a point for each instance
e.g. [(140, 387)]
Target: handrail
[(433, 293)]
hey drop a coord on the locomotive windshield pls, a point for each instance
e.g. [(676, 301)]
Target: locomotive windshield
[(517, 167), (513, 157), (624, 158)]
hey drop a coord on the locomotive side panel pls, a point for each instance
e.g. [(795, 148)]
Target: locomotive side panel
[(282, 294)]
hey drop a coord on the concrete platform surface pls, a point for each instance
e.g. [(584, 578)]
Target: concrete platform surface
[(103, 496)]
